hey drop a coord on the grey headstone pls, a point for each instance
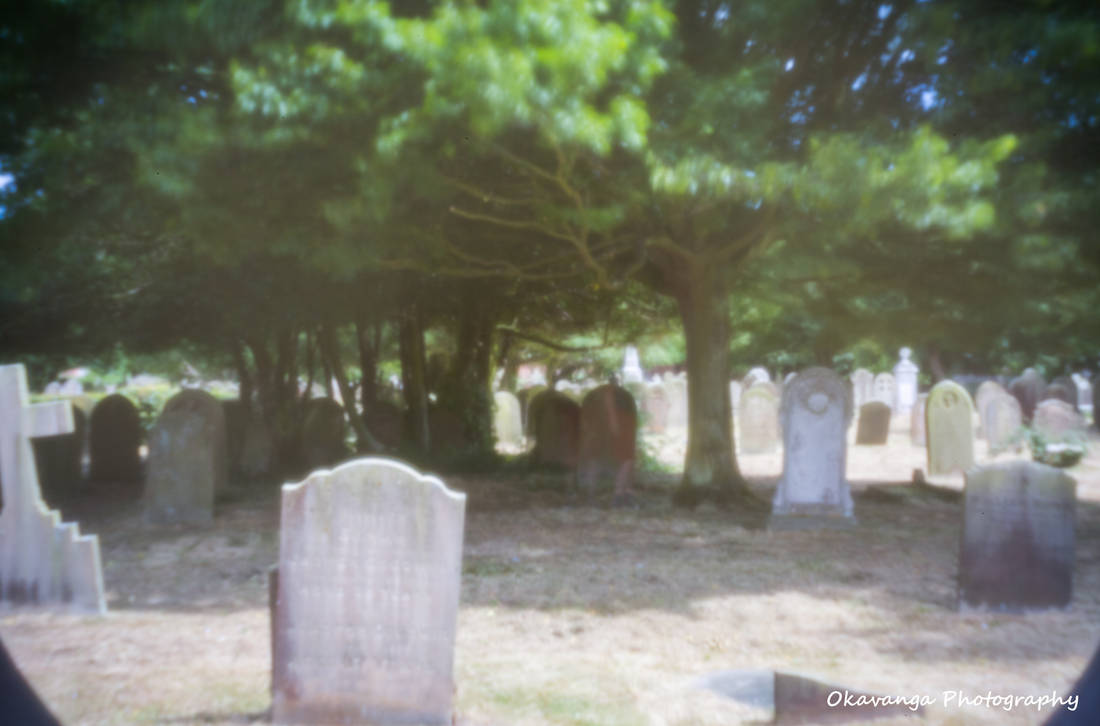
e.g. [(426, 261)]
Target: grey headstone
[(816, 410), (608, 438), (758, 419), (370, 566), (986, 391), (949, 416), (114, 436), (873, 427), (863, 387), (1002, 421), (1018, 537), (43, 563), (507, 419), (1057, 420)]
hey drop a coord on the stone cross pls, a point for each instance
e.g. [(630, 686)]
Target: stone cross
[(42, 561)]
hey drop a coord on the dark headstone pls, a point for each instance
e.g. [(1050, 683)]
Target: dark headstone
[(555, 420), (873, 428), (114, 436), (525, 397), (187, 459), (1028, 390), (236, 418), (385, 420), (323, 427), (1018, 537), (608, 434), (1062, 389), (370, 564), (59, 460)]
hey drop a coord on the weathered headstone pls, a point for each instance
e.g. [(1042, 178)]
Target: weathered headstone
[(556, 421), (1018, 537), (1056, 420), (525, 397), (905, 380), (986, 391), (323, 428), (655, 407), (608, 434), (632, 368), (59, 459), (1061, 389), (676, 395), (873, 426), (1002, 421), (758, 419), (813, 491), (114, 437), (918, 435), (187, 459), (885, 389), (370, 566), (949, 417), (735, 396), (1028, 390), (507, 419), (1084, 392), (42, 561), (863, 387)]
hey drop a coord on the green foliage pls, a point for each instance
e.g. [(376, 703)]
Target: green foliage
[(1061, 451)]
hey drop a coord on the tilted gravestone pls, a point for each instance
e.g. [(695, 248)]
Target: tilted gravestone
[(187, 459), (507, 419), (608, 437), (59, 459), (918, 434), (863, 387), (114, 436), (1002, 421), (873, 427), (1018, 537), (949, 419), (1056, 420), (323, 427), (366, 607), (885, 389), (556, 423), (758, 419), (42, 561), (813, 491), (1028, 390), (655, 407)]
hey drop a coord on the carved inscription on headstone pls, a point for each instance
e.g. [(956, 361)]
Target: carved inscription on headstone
[(370, 565), (1018, 537)]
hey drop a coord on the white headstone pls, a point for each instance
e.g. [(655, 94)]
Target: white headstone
[(815, 413), (905, 382), (42, 561), (1084, 392), (507, 419), (863, 387), (884, 389), (632, 367)]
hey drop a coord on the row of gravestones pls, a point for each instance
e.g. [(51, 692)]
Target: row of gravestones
[(365, 596)]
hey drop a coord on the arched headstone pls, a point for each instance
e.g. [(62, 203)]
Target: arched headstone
[(608, 437), (555, 420), (114, 437), (1002, 421), (950, 429), (873, 427), (758, 416)]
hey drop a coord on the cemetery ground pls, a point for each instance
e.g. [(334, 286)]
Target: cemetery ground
[(574, 612)]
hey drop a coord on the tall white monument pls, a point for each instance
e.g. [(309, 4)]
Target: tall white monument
[(632, 367), (905, 383)]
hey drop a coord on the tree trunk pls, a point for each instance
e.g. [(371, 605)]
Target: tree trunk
[(466, 389), (330, 352), (367, 336), (413, 365), (245, 377)]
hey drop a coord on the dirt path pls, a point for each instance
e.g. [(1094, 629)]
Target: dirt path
[(589, 615)]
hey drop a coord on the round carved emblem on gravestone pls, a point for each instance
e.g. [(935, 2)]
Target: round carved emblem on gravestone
[(114, 436), (608, 436), (323, 428), (555, 422)]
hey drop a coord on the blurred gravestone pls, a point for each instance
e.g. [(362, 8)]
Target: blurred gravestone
[(323, 428), (1084, 392), (987, 390), (1018, 537), (873, 427), (949, 415), (507, 419), (1028, 390), (758, 419), (1061, 389), (43, 563), (114, 437), (525, 397), (918, 434), (655, 407), (813, 490), (632, 368), (555, 421), (905, 381), (884, 389), (1056, 420), (676, 395), (1002, 421), (863, 387), (370, 565), (608, 434), (187, 459)]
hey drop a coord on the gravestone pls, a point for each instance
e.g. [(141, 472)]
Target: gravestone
[(884, 389), (873, 427), (42, 561), (370, 566), (114, 437), (608, 436), (1002, 421), (187, 460), (556, 423), (1028, 390), (1018, 537), (1057, 420), (759, 374), (676, 394), (655, 408), (59, 459), (1061, 389), (863, 387), (632, 367), (813, 491), (507, 419), (1084, 392), (525, 397), (949, 420), (323, 427), (735, 396), (918, 435), (758, 419), (905, 380), (384, 419), (987, 390)]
